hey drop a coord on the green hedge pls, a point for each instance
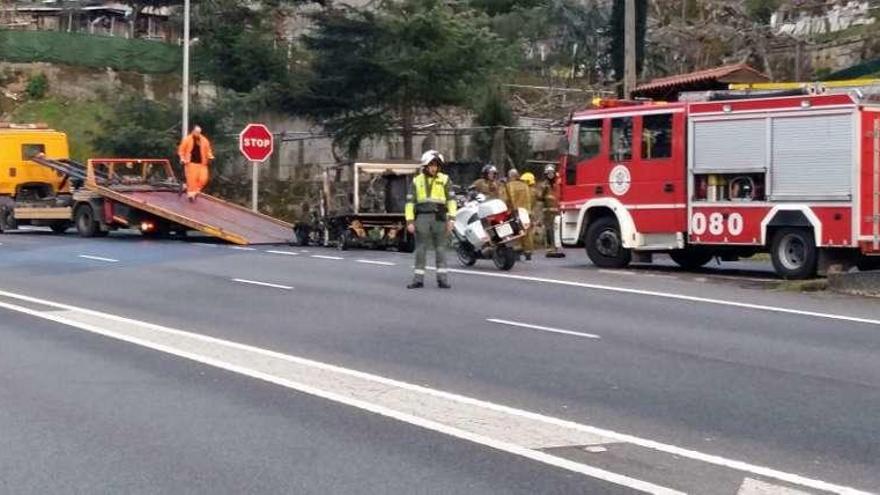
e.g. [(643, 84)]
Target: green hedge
[(870, 68), (150, 57)]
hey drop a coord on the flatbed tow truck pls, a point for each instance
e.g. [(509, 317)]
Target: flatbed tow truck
[(108, 194)]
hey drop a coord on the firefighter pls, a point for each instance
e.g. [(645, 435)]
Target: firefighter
[(430, 210), (195, 155), (547, 194), (518, 194), (487, 184)]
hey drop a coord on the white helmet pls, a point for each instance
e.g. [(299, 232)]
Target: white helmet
[(431, 155)]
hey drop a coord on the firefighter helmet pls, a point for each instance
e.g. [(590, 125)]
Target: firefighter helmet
[(528, 178), (488, 169)]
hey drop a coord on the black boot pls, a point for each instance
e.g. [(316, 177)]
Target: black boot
[(443, 284), (415, 285)]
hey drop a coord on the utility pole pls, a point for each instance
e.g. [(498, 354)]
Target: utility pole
[(629, 71), (185, 90)]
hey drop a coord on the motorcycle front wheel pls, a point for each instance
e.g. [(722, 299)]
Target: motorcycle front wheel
[(465, 254), (504, 258)]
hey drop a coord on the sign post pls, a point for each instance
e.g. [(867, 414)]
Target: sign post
[(256, 143)]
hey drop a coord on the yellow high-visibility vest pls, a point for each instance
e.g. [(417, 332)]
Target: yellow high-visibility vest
[(438, 194)]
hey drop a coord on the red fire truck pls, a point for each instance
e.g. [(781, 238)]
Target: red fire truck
[(797, 176)]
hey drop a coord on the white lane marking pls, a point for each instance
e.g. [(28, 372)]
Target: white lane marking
[(543, 329), (205, 244), (753, 469), (374, 262), (286, 253), (253, 362), (679, 297), (262, 284), (756, 487), (323, 257), (242, 248), (98, 258)]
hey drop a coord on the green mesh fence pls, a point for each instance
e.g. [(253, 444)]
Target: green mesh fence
[(149, 57)]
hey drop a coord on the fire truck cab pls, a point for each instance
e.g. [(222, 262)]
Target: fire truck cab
[(796, 176)]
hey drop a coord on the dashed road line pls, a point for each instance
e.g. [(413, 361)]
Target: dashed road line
[(374, 262), (98, 258), (325, 257), (543, 328), (285, 253), (205, 244), (262, 284), (669, 295), (242, 248)]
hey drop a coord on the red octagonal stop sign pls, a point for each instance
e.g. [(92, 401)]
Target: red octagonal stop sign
[(256, 142)]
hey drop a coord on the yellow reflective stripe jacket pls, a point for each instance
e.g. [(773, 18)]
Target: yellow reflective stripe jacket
[(439, 194)]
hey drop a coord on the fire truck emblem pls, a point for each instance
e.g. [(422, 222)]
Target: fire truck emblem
[(619, 180)]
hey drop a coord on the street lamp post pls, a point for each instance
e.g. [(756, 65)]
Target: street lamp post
[(185, 92)]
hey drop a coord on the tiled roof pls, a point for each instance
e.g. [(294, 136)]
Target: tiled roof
[(717, 73)]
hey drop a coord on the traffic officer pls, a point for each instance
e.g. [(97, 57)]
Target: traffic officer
[(518, 194), (430, 210), (487, 184), (547, 194)]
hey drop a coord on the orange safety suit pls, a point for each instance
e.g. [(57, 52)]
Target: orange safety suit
[(195, 167)]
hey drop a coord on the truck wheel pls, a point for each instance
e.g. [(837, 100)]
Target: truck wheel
[(504, 258), (605, 244), (794, 254), (60, 227), (86, 223), (344, 241), (7, 219), (407, 244), (691, 259)]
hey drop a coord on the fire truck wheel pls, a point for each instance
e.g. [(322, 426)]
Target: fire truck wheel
[(605, 244), (794, 254), (691, 259), (86, 224)]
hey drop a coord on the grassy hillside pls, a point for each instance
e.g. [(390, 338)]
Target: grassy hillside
[(79, 119)]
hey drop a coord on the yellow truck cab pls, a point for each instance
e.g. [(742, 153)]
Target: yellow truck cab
[(18, 175), (23, 182)]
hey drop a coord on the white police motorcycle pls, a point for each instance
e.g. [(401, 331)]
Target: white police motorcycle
[(486, 229)]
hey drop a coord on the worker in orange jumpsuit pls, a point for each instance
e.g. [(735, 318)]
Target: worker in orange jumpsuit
[(195, 155)]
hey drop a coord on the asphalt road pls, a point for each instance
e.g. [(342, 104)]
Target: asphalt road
[(711, 382)]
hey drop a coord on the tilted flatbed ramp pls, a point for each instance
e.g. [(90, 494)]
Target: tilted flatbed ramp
[(207, 214)]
